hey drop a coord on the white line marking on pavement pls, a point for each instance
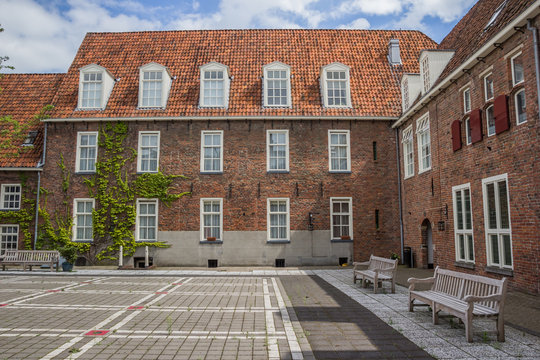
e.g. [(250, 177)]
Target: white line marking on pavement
[(291, 336), (273, 350)]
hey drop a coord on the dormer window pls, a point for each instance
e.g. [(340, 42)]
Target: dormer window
[(335, 86), (30, 138), (154, 86), (425, 73), (214, 85), (277, 85), (95, 86)]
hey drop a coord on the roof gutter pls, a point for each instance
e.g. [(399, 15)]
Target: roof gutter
[(205, 118), (501, 36), (534, 31), (20, 169)]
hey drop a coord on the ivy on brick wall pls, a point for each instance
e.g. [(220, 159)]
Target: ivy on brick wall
[(25, 215)]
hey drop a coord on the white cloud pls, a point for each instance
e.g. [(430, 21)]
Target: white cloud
[(445, 10), (360, 24), (368, 7)]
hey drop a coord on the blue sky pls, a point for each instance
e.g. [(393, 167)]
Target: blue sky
[(43, 35)]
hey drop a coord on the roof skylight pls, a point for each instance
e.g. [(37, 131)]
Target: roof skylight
[(495, 14)]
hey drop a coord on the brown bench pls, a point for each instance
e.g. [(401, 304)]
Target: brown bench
[(30, 258), (378, 269), (462, 295)]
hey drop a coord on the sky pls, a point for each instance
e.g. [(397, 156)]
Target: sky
[(44, 35)]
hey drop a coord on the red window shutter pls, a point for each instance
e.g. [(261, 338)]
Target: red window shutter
[(456, 135), (476, 125), (500, 113)]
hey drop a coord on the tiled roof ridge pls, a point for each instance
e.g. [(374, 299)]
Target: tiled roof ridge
[(254, 30)]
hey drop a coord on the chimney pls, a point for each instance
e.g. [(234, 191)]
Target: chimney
[(393, 52)]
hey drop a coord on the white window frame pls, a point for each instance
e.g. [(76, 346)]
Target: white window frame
[(350, 215), (324, 84), (405, 93), (348, 146), (78, 151), (268, 150), (423, 126), (75, 217), (524, 108), (137, 227), (426, 81), (139, 151), (467, 126), (487, 121), (277, 66), (468, 243), (202, 213), (268, 214), (408, 149), (499, 232), (3, 245), (214, 66), (4, 193), (467, 100), (514, 83), (107, 83), (486, 98), (212, 132), (166, 81)]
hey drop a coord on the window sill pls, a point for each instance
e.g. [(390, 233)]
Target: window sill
[(341, 241), (151, 108), (89, 109), (147, 172), (83, 241), (277, 171), (278, 241), (340, 171), (7, 210), (84, 172), (206, 242), (408, 177), (211, 172), (465, 265), (500, 271), (424, 171), (145, 241)]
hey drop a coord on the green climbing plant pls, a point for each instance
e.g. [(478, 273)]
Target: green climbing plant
[(25, 215)]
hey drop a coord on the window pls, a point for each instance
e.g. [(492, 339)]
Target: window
[(87, 148), (95, 86), (335, 85), (9, 238), (277, 151), (467, 101), (212, 151), (11, 197), (495, 15), (148, 156), (517, 69), (468, 130), (147, 219), (277, 85), (405, 93), (211, 219), (488, 87), (490, 120), (154, 86), (424, 143), (425, 73), (30, 138), (463, 228), (214, 85), (341, 217), (278, 219), (521, 115), (339, 151), (497, 221), (82, 220), (408, 154)]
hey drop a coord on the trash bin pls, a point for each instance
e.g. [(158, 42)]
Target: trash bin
[(407, 251)]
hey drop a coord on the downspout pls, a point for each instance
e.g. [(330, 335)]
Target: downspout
[(41, 163), (534, 31), (399, 195)]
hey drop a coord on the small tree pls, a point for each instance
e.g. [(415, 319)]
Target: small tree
[(4, 58)]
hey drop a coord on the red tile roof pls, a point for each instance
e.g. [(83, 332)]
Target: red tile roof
[(374, 88), (21, 98)]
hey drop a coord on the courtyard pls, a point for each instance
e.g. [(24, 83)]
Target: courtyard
[(258, 314)]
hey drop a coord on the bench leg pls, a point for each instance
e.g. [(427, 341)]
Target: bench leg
[(393, 286), (375, 284), (500, 328), (364, 284), (468, 327), (435, 314), (354, 278), (411, 303)]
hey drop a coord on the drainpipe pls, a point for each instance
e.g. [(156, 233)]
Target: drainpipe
[(534, 31), (40, 164), (399, 195)]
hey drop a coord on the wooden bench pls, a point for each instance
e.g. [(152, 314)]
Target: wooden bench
[(378, 269), (462, 295), (30, 258)]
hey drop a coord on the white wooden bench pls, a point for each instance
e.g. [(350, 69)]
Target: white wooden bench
[(30, 258), (378, 269), (462, 295)]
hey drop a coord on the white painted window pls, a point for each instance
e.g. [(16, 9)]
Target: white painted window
[(339, 150), (82, 220), (9, 238), (463, 223), (277, 85), (424, 143), (11, 197), (341, 217), (497, 221), (212, 151), (521, 114), (211, 219), (95, 86), (87, 149), (154, 85), (148, 155), (425, 73), (466, 101), (277, 150), (214, 85), (488, 87), (517, 69), (278, 219), (147, 219), (490, 121), (336, 86), (408, 153), (467, 123)]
